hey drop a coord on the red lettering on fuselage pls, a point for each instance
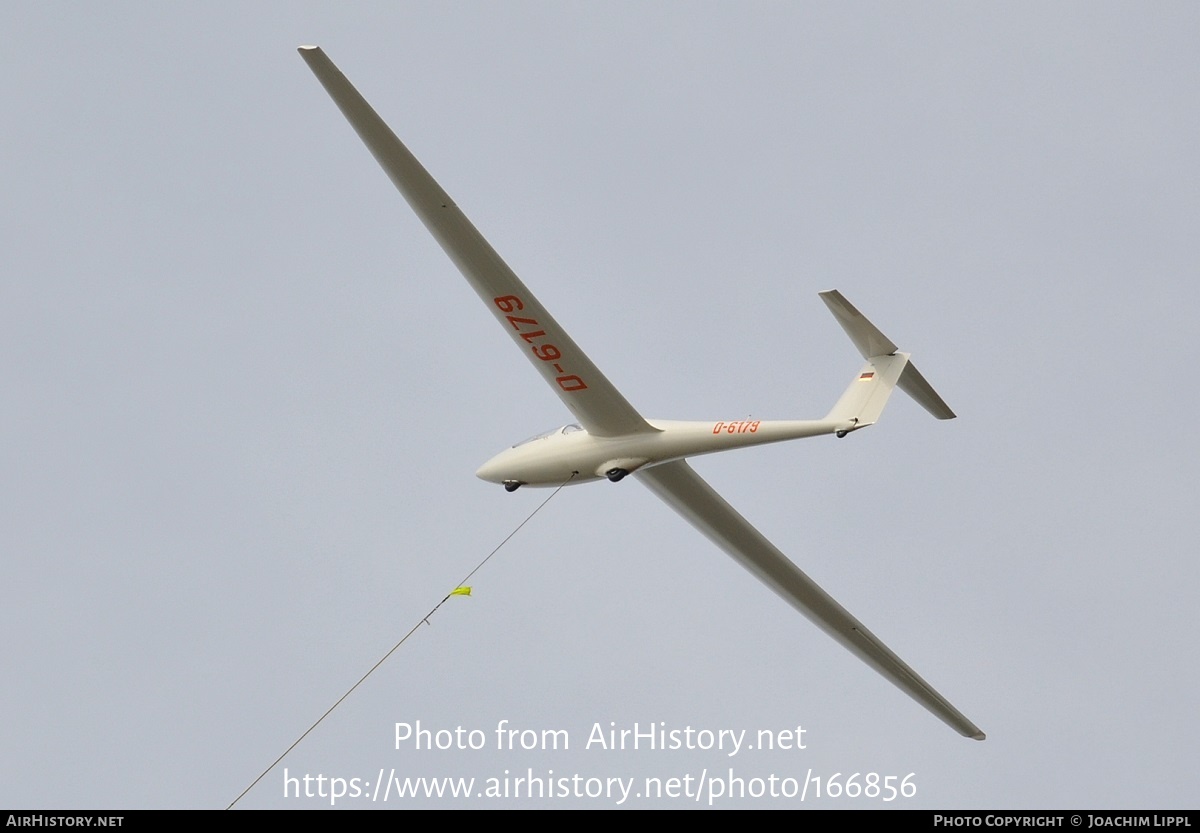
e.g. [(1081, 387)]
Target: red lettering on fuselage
[(740, 427)]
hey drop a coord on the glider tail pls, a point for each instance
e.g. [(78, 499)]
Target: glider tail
[(886, 369)]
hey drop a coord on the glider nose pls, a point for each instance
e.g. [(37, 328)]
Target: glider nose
[(490, 471), (487, 472)]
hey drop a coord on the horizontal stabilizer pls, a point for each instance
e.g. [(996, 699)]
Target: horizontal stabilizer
[(914, 384), (865, 335), (863, 401)]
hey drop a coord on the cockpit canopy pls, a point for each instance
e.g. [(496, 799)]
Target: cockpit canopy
[(566, 429)]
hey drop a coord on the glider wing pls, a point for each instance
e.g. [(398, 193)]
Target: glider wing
[(597, 405), (686, 492)]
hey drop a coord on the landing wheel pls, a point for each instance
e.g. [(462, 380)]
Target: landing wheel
[(512, 485), (615, 474), (841, 435)]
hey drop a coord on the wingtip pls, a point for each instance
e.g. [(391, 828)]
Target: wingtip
[(979, 736)]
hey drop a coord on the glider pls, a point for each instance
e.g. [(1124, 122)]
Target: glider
[(611, 440)]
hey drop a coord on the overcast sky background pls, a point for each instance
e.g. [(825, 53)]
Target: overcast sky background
[(245, 393)]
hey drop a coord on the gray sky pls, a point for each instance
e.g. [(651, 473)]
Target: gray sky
[(245, 394)]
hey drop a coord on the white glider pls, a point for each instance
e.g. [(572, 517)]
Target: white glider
[(612, 439)]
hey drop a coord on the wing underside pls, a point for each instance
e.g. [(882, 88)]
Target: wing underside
[(595, 402), (678, 485)]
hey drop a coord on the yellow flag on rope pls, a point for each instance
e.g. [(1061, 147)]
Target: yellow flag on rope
[(461, 591)]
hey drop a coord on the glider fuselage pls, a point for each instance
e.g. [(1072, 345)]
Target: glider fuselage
[(572, 454)]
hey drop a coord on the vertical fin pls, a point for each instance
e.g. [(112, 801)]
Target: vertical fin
[(864, 400)]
